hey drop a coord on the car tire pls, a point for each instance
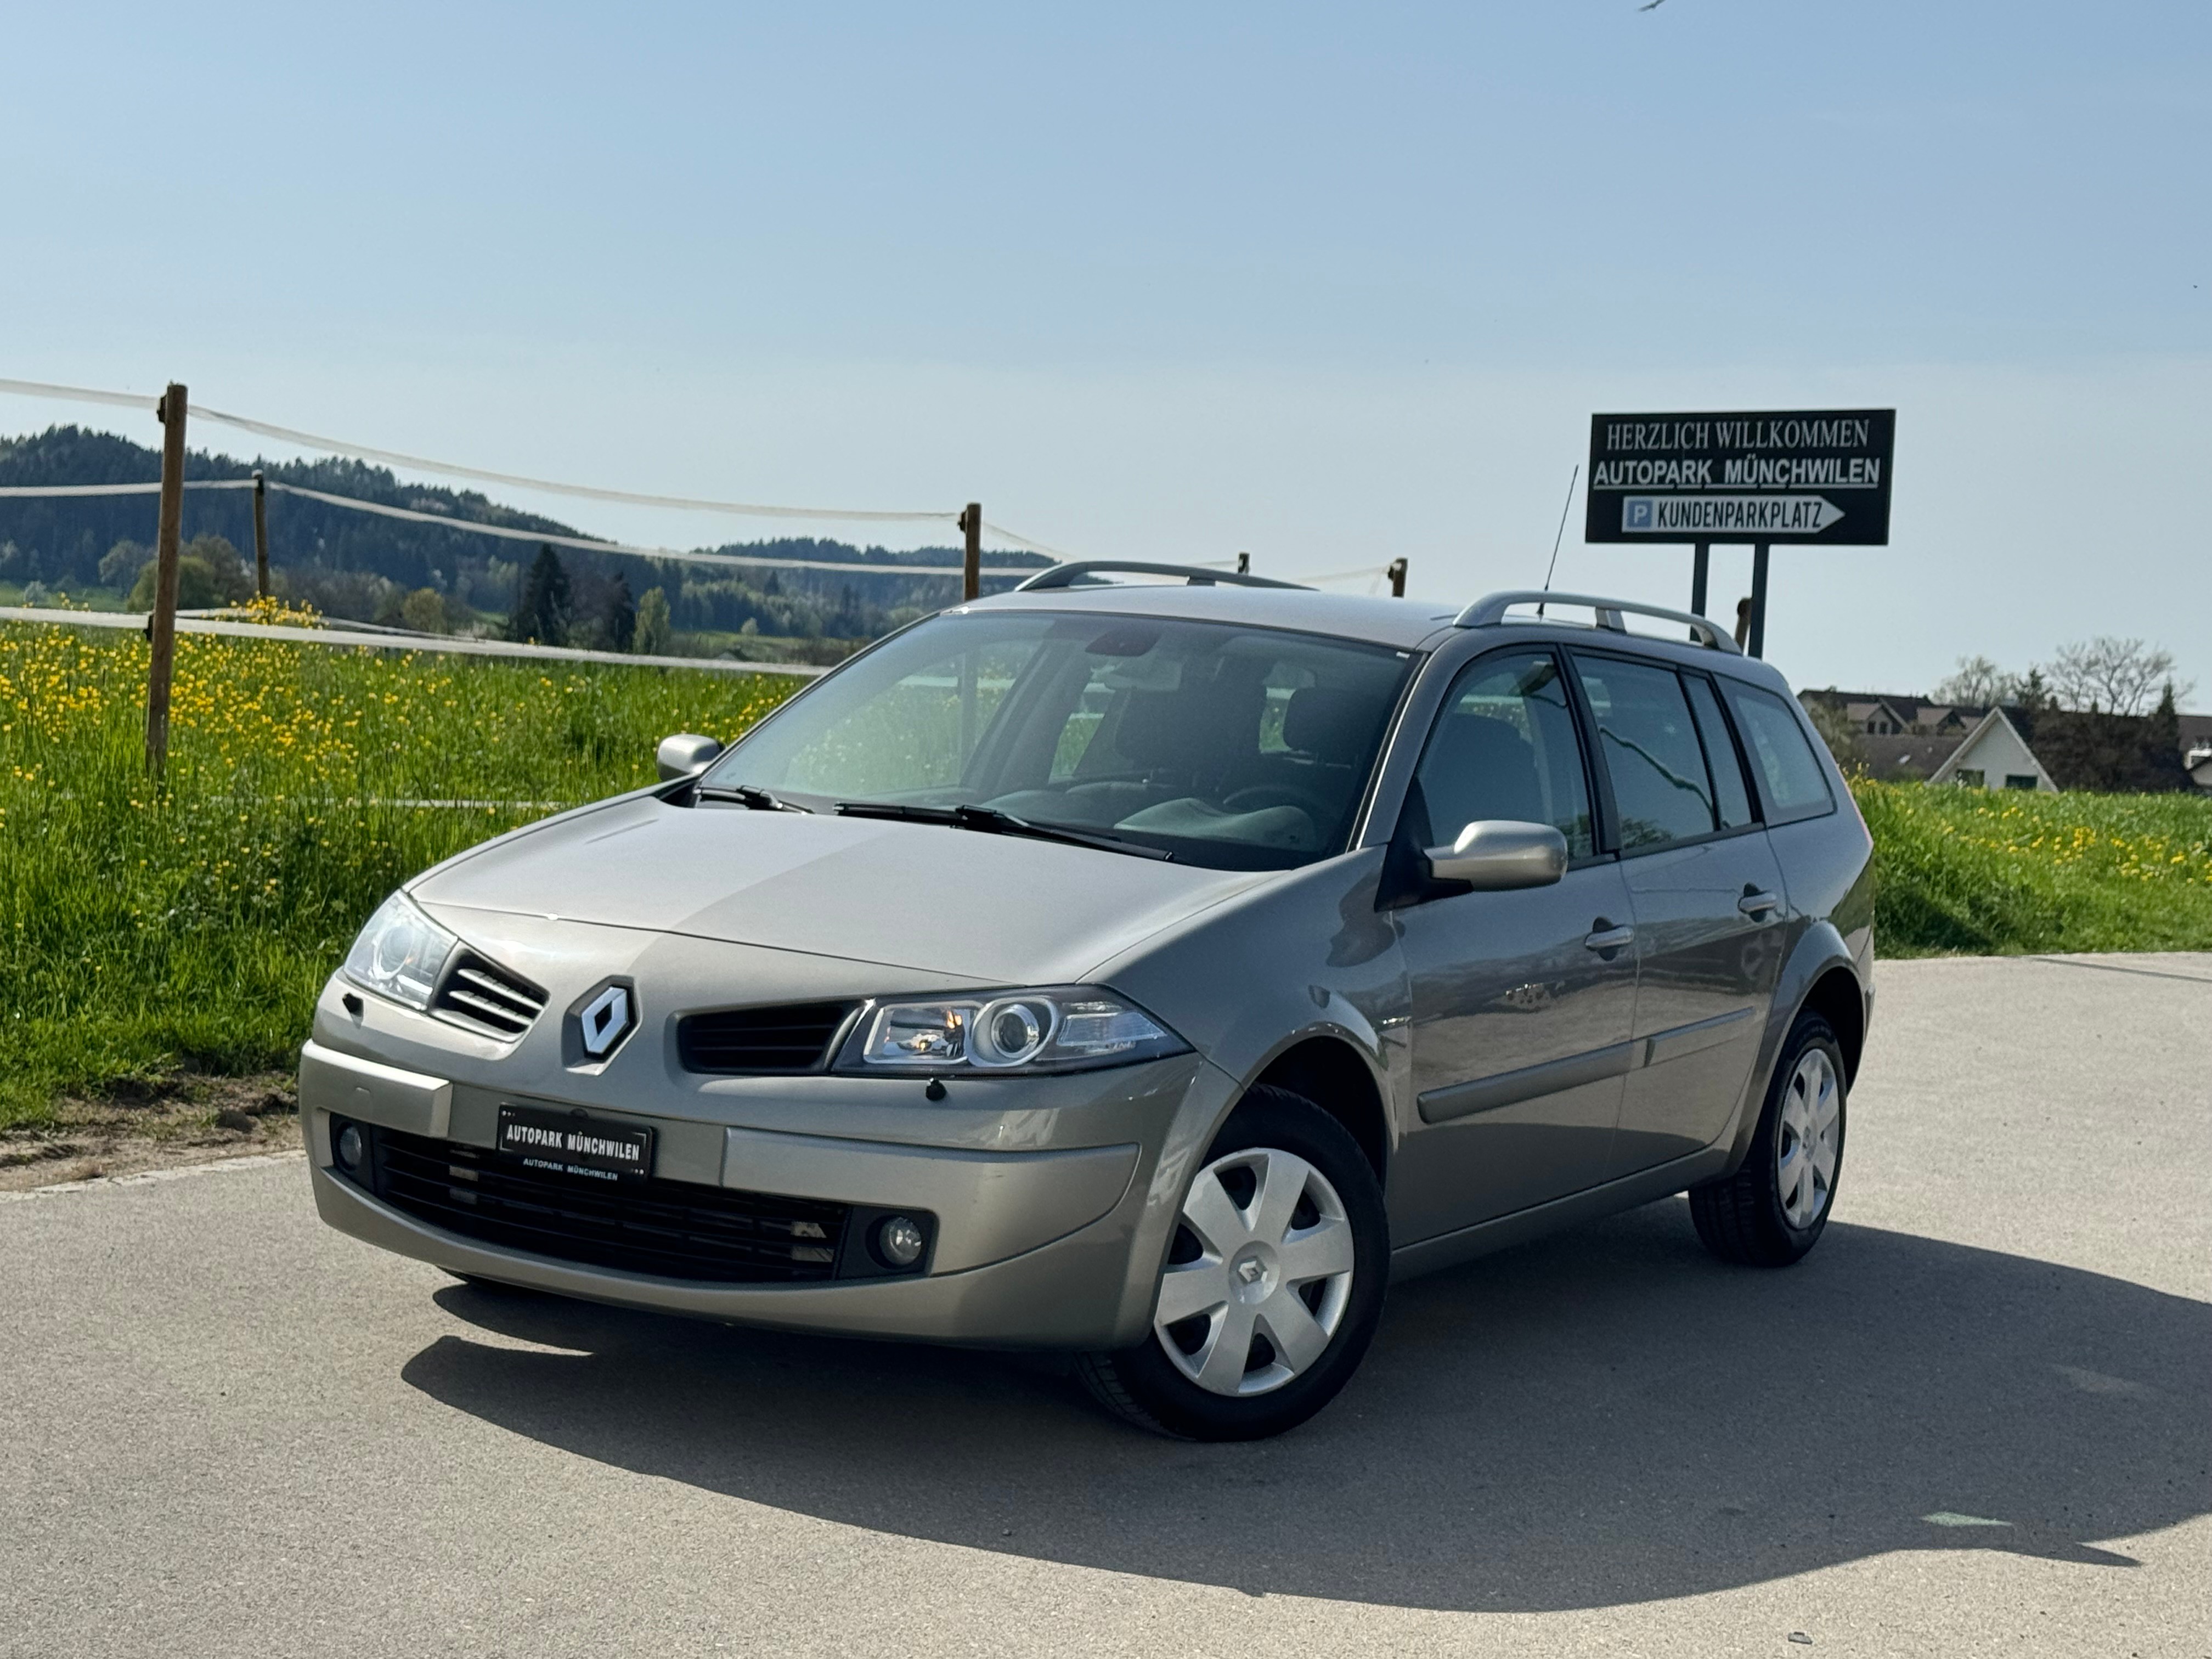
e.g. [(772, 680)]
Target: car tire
[(1301, 1257), (1771, 1211)]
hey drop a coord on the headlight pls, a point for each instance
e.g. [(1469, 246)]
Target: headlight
[(1066, 1028), (400, 953)]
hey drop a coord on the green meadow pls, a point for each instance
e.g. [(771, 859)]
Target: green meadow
[(147, 933)]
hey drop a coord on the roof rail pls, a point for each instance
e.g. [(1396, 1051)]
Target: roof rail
[(1067, 575), (1492, 608)]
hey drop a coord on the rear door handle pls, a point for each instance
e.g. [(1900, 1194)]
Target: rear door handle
[(1609, 938), (1758, 904)]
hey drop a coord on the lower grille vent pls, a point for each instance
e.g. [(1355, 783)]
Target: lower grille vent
[(488, 999), (669, 1229), (795, 1037)]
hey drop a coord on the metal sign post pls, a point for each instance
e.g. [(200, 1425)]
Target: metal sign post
[(1765, 477), (1758, 599)]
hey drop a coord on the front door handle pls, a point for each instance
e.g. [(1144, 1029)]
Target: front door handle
[(1607, 937), (1756, 903)]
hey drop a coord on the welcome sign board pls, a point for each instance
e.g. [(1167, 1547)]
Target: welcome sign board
[(1791, 476)]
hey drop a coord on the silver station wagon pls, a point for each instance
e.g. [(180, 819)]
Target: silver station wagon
[(1148, 969)]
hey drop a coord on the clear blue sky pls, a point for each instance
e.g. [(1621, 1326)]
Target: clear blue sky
[(1329, 283)]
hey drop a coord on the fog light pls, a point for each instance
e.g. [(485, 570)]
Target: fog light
[(899, 1241), (350, 1148)]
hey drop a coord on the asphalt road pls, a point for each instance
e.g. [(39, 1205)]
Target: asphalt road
[(1977, 1420)]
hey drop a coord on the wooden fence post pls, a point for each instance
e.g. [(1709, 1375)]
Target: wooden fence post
[(260, 534), (971, 561), (161, 625), (1397, 573)]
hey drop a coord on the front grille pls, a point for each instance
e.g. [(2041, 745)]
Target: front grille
[(486, 998), (669, 1229), (795, 1037)]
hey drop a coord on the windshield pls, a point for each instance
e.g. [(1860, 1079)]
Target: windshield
[(1235, 748)]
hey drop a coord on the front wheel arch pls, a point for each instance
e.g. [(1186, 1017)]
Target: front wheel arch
[(1140, 1384), (1334, 1076)]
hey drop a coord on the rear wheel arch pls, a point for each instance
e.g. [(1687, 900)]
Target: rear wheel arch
[(1818, 979), (1333, 1075), (1837, 998)]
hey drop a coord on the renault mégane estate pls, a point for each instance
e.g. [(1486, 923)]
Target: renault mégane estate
[(1152, 970)]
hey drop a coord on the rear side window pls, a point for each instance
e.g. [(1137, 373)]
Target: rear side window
[(1729, 794), (1789, 777), (1661, 789)]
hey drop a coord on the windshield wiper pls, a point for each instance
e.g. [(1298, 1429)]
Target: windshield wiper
[(749, 796), (991, 821)]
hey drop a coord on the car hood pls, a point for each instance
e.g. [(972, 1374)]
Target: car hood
[(988, 907)]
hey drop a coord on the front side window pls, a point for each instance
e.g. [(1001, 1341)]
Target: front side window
[(1234, 748), (1661, 788), (1503, 746)]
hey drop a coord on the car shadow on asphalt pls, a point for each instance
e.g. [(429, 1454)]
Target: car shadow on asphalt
[(1609, 1416)]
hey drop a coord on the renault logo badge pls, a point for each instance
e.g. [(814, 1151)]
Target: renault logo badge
[(605, 1020)]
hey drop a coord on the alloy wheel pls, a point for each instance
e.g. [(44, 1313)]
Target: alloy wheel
[(1260, 1276)]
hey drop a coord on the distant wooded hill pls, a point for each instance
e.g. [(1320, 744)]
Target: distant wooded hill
[(358, 564)]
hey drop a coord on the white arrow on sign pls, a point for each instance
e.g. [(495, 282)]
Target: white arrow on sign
[(1721, 515)]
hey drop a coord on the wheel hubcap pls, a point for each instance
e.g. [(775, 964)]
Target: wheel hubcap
[(1807, 1138), (1262, 1274)]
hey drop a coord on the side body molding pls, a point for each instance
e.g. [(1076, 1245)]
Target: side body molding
[(1487, 1094)]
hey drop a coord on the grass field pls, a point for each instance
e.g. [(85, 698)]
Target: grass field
[(1994, 871), (149, 935)]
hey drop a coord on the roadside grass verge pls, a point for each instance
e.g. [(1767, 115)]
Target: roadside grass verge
[(1998, 873), (146, 933)]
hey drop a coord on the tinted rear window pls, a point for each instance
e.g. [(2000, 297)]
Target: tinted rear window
[(1729, 792), (1790, 778), (1661, 790)]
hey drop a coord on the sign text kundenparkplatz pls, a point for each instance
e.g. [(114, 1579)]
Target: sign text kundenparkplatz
[(1800, 476)]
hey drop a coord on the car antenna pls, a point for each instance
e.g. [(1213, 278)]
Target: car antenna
[(1573, 478)]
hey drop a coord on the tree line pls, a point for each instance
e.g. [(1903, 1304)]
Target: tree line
[(365, 568)]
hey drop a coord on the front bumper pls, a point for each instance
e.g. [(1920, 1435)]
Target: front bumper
[(1055, 1247)]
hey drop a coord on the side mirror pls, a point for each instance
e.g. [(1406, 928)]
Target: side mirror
[(1495, 855), (686, 753)]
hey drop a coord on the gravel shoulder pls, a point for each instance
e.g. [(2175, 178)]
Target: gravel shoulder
[(168, 1125)]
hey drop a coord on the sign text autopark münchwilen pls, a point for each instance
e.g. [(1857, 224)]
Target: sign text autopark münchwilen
[(1803, 476)]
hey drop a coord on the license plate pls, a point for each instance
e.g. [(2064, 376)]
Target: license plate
[(569, 1143)]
